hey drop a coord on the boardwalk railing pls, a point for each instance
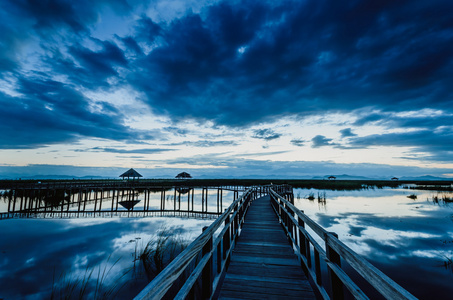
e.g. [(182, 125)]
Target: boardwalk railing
[(201, 266), (294, 221)]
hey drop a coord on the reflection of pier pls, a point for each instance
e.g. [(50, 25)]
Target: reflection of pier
[(122, 199), (109, 214)]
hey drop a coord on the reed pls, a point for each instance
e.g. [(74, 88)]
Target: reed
[(444, 198), (68, 286), (160, 251)]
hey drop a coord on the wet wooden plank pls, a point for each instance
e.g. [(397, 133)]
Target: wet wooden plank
[(263, 264)]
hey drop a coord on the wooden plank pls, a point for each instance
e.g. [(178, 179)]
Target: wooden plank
[(263, 264)]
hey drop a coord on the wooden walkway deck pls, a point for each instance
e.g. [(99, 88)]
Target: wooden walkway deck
[(263, 264)]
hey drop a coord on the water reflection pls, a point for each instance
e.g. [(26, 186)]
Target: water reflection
[(409, 240), (32, 252)]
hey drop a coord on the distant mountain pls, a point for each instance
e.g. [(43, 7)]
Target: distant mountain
[(426, 177), (345, 177), (65, 177)]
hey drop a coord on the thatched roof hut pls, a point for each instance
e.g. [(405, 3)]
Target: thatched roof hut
[(332, 177), (131, 173), (183, 175)]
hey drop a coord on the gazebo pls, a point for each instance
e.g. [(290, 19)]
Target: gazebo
[(131, 173), (183, 175), (332, 177), (394, 178)]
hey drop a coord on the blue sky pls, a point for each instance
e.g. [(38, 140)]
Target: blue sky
[(226, 88)]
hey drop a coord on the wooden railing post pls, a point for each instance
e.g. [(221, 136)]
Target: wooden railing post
[(206, 277), (334, 257), (318, 268), (226, 237)]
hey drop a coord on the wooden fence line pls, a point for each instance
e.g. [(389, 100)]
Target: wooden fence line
[(332, 256)]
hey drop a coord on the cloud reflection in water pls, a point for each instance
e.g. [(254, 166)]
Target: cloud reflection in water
[(408, 240), (32, 250)]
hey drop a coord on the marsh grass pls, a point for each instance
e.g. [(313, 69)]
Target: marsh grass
[(444, 198), (322, 197), (160, 251), (68, 286)]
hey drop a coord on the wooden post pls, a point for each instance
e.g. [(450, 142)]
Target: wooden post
[(202, 200), (100, 201), (334, 257), (95, 199), (193, 192), (302, 241), (79, 199), (86, 198), (188, 200), (113, 200), (226, 237), (221, 200), (206, 276), (179, 200), (14, 200), (317, 268), (174, 201), (218, 200), (69, 198), (9, 203)]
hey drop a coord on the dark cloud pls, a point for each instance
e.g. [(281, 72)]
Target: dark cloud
[(298, 142), (100, 63), (347, 132), (127, 151), (298, 57), (49, 112), (321, 141), (205, 143), (266, 134), (435, 145), (231, 63)]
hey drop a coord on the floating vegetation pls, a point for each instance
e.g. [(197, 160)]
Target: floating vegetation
[(444, 198), (412, 196)]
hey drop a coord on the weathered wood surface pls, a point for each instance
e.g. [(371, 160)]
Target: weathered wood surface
[(263, 264)]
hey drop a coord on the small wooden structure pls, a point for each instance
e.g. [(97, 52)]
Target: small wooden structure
[(183, 175), (395, 178), (131, 173), (332, 177)]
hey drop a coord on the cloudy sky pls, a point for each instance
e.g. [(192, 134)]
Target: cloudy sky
[(226, 88)]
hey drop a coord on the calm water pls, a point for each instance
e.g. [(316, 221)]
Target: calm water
[(409, 240), (35, 253)]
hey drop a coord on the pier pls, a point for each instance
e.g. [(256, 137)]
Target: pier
[(259, 248), (76, 199)]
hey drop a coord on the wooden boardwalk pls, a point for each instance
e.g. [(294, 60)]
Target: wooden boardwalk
[(263, 264)]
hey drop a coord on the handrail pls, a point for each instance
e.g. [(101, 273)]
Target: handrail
[(335, 251), (205, 247)]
